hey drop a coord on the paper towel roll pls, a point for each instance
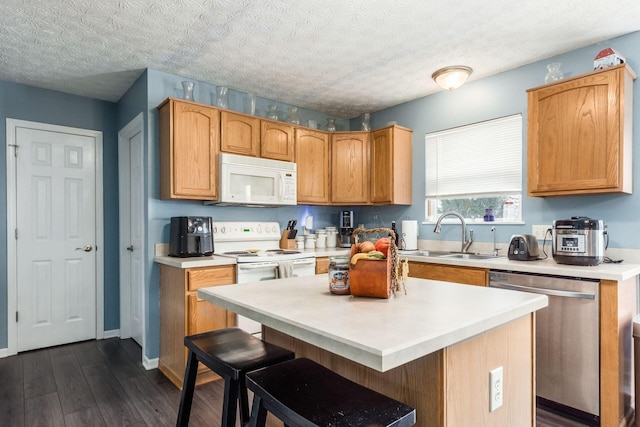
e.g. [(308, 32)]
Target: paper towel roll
[(409, 235)]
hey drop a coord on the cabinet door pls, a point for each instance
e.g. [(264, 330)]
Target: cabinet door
[(312, 160), (350, 167), (188, 151), (204, 316), (578, 136), (276, 141), (449, 273), (390, 165), (240, 134)]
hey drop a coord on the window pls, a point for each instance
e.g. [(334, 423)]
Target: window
[(474, 168)]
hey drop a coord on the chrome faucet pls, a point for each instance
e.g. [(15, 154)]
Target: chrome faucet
[(495, 247), (465, 243)]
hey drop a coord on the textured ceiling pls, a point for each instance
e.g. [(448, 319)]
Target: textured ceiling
[(339, 57)]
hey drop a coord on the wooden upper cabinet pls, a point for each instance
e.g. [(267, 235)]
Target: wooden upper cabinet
[(189, 144), (390, 165), (276, 141), (239, 134), (350, 167), (312, 160), (580, 134)]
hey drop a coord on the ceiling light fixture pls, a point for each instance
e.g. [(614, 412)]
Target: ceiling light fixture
[(450, 78)]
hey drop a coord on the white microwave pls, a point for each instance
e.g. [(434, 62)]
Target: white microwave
[(248, 180)]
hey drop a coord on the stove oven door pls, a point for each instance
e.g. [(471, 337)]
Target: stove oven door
[(262, 271)]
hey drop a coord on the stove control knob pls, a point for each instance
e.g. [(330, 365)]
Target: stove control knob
[(223, 230), (214, 230), (259, 229), (273, 229)]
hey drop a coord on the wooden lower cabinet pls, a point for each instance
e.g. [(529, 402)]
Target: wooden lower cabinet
[(322, 265), (183, 313), (449, 273)]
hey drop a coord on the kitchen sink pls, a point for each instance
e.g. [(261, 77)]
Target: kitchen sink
[(469, 256), (449, 254)]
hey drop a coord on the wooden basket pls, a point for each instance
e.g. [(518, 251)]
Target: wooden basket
[(374, 278)]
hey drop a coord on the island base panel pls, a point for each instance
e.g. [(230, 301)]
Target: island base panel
[(449, 387)]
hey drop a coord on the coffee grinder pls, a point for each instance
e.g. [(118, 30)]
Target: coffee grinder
[(346, 228)]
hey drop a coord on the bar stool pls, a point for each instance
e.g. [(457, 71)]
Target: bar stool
[(301, 392), (230, 353)]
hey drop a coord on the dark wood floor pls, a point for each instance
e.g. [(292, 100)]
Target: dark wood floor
[(103, 383), (96, 383)]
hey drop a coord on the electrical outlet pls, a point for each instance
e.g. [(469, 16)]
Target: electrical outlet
[(495, 389), (540, 231)]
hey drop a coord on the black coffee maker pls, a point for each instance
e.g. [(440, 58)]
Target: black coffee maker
[(191, 236), (346, 228)]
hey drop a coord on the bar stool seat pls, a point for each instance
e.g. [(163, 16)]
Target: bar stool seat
[(302, 392), (230, 353)]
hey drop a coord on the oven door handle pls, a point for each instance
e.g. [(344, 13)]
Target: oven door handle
[(551, 292), (257, 266), (304, 261)]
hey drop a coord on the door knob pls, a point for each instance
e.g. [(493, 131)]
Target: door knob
[(130, 248), (87, 248)]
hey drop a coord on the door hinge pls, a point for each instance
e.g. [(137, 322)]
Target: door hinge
[(16, 234), (16, 317), (15, 149)]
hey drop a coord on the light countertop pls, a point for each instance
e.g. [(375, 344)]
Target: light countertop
[(604, 271), (379, 333)]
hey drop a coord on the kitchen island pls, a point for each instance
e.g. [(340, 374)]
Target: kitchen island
[(432, 348)]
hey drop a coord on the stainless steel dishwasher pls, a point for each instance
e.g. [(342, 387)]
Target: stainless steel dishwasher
[(567, 341)]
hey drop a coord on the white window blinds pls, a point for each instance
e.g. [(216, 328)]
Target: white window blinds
[(475, 160)]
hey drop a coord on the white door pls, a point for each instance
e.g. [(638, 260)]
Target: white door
[(130, 166), (56, 237)]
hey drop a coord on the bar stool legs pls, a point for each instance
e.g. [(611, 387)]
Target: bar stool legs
[(230, 353)]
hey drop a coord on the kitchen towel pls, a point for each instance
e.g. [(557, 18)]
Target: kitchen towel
[(285, 269), (409, 235)]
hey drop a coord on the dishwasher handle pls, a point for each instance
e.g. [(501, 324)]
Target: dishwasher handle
[(543, 291)]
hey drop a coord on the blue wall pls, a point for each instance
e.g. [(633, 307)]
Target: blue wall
[(501, 95), (46, 106)]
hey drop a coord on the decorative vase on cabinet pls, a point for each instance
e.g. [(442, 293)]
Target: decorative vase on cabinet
[(331, 125), (292, 116), (222, 97), (555, 73), (272, 112)]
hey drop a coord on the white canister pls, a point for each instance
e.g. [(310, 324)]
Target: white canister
[(332, 237), (310, 241), (300, 242), (321, 238)]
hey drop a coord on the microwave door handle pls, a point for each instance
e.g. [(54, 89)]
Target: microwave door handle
[(543, 291), (281, 186)]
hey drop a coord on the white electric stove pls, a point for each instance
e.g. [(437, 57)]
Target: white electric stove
[(256, 248)]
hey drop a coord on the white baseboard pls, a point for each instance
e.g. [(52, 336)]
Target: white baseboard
[(114, 333), (149, 363), (4, 352)]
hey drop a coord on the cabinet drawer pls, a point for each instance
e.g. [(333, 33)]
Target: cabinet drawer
[(447, 273), (198, 278)]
